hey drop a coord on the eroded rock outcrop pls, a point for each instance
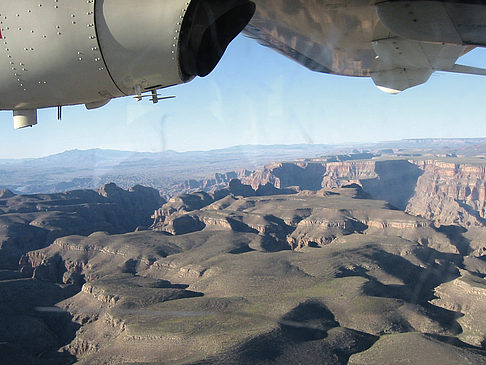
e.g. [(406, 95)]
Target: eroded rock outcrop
[(172, 217), (446, 193), (393, 181), (450, 193), (308, 218), (466, 295), (5, 194), (30, 222), (210, 184), (305, 175)]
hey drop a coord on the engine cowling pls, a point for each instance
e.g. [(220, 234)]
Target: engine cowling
[(88, 52), (152, 44)]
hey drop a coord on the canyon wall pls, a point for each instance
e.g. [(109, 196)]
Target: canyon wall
[(450, 193), (444, 192)]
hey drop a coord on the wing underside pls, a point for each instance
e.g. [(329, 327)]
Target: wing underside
[(399, 44)]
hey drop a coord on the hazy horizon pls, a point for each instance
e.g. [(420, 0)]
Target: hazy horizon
[(344, 145)]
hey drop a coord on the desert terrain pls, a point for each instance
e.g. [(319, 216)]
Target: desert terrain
[(363, 257)]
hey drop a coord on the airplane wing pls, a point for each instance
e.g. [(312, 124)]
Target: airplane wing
[(399, 44), (89, 52)]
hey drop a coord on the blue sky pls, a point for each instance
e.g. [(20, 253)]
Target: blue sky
[(257, 96)]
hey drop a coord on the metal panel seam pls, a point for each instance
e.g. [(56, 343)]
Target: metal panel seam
[(101, 50)]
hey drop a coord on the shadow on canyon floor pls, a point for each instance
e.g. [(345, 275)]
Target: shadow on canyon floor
[(28, 334)]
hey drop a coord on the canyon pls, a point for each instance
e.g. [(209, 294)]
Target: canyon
[(447, 192), (338, 260)]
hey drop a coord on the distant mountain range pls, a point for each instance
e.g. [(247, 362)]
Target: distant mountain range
[(80, 169)]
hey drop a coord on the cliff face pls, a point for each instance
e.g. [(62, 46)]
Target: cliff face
[(449, 193), (212, 183), (392, 181), (305, 175), (446, 193), (466, 295)]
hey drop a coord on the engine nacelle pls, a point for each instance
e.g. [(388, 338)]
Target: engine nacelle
[(152, 44), (57, 53)]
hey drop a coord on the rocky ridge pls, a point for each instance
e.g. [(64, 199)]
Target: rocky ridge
[(29, 222), (303, 219)]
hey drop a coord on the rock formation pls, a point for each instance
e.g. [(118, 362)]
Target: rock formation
[(450, 193), (171, 217), (294, 263), (466, 295), (29, 222), (218, 181), (304, 219), (446, 193), (321, 276), (5, 194)]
